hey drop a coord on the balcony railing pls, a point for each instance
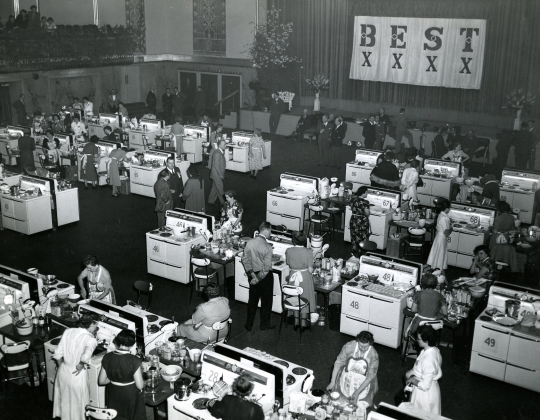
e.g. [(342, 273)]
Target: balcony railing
[(66, 47)]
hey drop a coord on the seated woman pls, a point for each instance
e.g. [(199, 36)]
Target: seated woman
[(232, 211), (300, 260), (109, 136), (482, 266), (57, 124), (428, 304), (456, 155), (355, 371), (385, 174), (214, 309), (427, 371)]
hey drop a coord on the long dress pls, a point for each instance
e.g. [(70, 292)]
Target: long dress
[(359, 223), (71, 392), (114, 174), (256, 160), (299, 258), (427, 368), (97, 281), (199, 327), (194, 194), (123, 394), (355, 367), (90, 171), (438, 256)]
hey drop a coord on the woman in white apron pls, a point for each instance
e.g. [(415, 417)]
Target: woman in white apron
[(438, 256), (426, 372), (300, 260), (99, 281), (233, 211), (409, 179), (71, 393), (355, 371)]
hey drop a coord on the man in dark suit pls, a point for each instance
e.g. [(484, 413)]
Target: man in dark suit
[(401, 129), (304, 122), (164, 200), (502, 149), (369, 132), (113, 101), (523, 146), (324, 129), (27, 145), (151, 100), (178, 103), (200, 102), (379, 133), (276, 109), (22, 20), (217, 174), (175, 183), (167, 102), (384, 122), (20, 108), (336, 138)]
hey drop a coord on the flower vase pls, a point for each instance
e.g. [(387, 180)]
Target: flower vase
[(517, 120), (317, 103)]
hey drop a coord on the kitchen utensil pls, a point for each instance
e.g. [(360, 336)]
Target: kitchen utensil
[(505, 320), (512, 308), (74, 298), (195, 355), (171, 373), (182, 389)]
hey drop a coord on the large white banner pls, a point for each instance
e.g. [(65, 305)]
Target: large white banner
[(430, 52)]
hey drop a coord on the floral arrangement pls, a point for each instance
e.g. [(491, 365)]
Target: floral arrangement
[(517, 100), (318, 83), (272, 54)]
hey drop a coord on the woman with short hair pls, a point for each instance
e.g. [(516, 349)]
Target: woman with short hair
[(90, 161), (355, 371), (427, 371), (214, 309), (99, 281), (194, 191), (300, 260), (121, 371), (72, 356), (256, 153)]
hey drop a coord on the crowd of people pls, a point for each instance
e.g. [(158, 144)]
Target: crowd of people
[(28, 20)]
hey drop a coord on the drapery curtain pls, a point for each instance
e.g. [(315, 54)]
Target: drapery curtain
[(323, 36)]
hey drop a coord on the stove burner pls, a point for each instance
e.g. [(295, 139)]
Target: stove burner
[(153, 328), (154, 232), (282, 363), (290, 380), (352, 283), (299, 371), (152, 318), (165, 234), (55, 341), (486, 318), (63, 286), (165, 322)]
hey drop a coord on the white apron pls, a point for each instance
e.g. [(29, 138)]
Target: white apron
[(354, 375), (427, 368)]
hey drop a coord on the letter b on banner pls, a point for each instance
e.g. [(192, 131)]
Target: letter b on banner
[(368, 38)]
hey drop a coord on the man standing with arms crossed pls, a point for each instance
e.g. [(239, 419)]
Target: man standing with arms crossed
[(257, 262)]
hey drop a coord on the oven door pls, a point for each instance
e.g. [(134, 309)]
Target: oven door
[(491, 341)]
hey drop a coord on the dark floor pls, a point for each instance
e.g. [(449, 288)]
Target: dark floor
[(114, 229)]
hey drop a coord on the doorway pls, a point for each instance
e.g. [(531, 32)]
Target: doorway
[(209, 85), (188, 86), (130, 87), (230, 87)]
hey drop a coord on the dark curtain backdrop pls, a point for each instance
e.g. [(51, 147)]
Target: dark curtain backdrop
[(323, 36)]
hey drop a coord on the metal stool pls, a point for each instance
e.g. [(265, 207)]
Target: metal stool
[(503, 268), (288, 293), (367, 246), (318, 219), (201, 271), (143, 287), (410, 340), (415, 241)]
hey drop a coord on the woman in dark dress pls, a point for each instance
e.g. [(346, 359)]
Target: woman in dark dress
[(359, 223), (122, 371), (90, 159), (194, 191), (385, 174)]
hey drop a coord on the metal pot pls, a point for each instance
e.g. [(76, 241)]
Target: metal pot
[(512, 308), (14, 190), (182, 389)]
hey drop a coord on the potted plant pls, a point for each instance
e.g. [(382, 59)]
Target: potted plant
[(518, 101)]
